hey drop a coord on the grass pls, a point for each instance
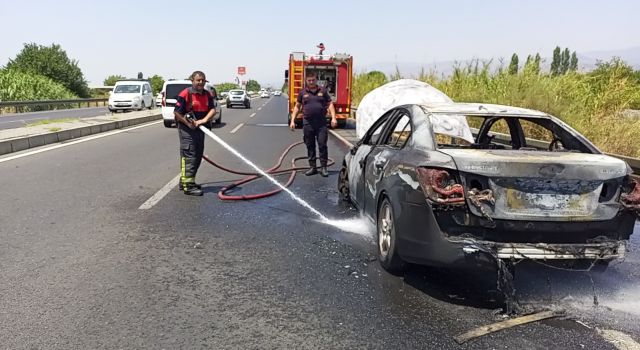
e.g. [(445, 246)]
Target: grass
[(593, 102), (52, 121), (54, 129)]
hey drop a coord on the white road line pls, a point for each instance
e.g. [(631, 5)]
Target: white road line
[(272, 124), (160, 194), (259, 108), (252, 115), (85, 139), (339, 137), (236, 128)]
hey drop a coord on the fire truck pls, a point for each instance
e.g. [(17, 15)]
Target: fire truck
[(334, 74)]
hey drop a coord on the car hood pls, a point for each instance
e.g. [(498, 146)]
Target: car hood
[(124, 96)]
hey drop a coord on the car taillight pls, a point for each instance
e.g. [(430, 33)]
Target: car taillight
[(631, 196), (164, 100), (439, 186)]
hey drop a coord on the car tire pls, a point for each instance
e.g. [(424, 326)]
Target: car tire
[(142, 106), (386, 239), (343, 184), (228, 105), (168, 123)]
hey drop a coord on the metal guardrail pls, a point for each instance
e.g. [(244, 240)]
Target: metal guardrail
[(19, 106)]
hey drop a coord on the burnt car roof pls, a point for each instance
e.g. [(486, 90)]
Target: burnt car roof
[(482, 109)]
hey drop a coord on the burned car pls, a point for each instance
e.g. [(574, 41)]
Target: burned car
[(457, 183)]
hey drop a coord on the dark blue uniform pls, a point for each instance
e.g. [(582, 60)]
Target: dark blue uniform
[(314, 110), (192, 140)]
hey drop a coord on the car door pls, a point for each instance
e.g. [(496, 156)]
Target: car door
[(149, 96), (358, 161), (379, 158)]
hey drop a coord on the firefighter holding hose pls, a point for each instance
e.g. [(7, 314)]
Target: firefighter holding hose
[(195, 106)]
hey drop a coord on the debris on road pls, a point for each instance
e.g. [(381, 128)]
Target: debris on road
[(498, 326)]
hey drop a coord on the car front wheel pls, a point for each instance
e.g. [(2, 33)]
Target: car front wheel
[(387, 253)]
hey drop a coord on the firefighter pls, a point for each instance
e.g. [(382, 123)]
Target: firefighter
[(314, 102), (195, 106), (321, 47)]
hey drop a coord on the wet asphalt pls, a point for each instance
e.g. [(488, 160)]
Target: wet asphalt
[(82, 267)]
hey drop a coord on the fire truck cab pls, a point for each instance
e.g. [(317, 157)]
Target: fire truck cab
[(334, 74)]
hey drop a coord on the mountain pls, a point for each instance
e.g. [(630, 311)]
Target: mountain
[(586, 62)]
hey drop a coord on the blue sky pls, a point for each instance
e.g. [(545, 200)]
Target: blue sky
[(173, 38)]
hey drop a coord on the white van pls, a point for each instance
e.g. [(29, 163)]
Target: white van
[(171, 89), (131, 94)]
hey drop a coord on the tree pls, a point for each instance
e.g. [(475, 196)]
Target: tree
[(565, 61), (112, 79), (513, 66), (156, 83), (573, 65), (224, 87), (53, 62), (253, 85), (555, 63)]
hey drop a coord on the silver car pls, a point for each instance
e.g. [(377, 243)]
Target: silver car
[(462, 185), (238, 98)]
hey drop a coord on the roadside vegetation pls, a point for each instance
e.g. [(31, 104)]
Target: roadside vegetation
[(594, 103)]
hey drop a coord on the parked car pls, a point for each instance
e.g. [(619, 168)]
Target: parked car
[(130, 95), (523, 185), (171, 89), (159, 99), (238, 97)]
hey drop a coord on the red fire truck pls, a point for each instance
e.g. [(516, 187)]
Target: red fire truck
[(334, 73)]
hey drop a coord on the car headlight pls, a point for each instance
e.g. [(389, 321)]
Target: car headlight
[(136, 99)]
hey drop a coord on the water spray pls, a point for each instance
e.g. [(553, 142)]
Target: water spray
[(301, 201)]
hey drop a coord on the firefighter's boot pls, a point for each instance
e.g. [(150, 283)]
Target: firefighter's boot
[(192, 190), (312, 169)]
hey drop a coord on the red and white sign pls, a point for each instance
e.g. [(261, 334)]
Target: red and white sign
[(242, 70)]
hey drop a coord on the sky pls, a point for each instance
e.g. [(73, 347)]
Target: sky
[(174, 38)]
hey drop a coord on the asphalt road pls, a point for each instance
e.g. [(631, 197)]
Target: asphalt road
[(83, 267), (13, 120)]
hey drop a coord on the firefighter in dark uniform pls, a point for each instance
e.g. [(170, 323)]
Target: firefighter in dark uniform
[(314, 102), (195, 106)]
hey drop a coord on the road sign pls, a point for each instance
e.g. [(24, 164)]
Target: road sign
[(242, 70)]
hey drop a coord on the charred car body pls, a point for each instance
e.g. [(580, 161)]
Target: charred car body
[(457, 183)]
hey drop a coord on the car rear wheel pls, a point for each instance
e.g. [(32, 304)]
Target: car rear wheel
[(387, 253), (168, 123), (343, 183)]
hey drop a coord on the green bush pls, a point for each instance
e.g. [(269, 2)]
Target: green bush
[(20, 86), (590, 102)]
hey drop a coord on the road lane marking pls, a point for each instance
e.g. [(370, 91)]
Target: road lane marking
[(271, 124), (259, 108), (88, 138), (236, 128), (252, 115), (339, 137), (157, 197)]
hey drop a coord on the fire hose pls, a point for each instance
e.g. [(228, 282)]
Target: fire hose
[(250, 176)]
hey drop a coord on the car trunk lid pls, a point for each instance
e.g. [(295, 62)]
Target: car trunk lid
[(539, 185)]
